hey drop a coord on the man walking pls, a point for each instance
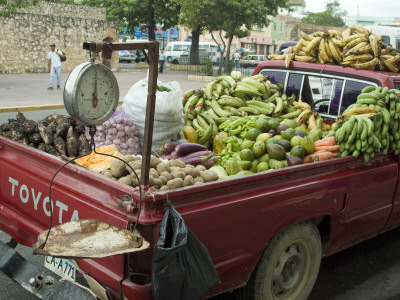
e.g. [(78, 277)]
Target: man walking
[(237, 57), (161, 61), (55, 66)]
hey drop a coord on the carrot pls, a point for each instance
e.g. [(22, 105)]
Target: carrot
[(318, 156), (328, 148), (328, 141), (335, 154)]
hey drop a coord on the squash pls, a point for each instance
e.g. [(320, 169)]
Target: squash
[(189, 134), (218, 142), (97, 162)]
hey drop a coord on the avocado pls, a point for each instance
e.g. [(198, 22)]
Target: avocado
[(276, 151)]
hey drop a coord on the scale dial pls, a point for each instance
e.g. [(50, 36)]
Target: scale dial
[(91, 93)]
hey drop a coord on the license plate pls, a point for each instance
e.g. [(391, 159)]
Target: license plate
[(61, 266)]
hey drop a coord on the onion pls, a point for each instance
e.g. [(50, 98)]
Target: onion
[(119, 127), (123, 146)]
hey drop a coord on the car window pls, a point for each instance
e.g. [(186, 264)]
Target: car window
[(177, 47), (275, 76), (168, 48), (351, 90), (186, 47), (397, 85), (294, 85)]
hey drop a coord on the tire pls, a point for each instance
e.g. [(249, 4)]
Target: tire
[(288, 267), (169, 59)]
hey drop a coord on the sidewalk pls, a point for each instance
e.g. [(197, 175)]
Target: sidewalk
[(31, 89)]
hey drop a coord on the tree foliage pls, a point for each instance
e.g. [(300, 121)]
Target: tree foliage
[(332, 16)]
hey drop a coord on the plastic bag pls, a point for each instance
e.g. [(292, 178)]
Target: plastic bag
[(168, 115), (182, 266)]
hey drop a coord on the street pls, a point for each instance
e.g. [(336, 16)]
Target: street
[(369, 271)]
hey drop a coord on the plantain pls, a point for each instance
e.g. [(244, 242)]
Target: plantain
[(334, 33), (361, 57), (277, 57), (358, 28), (389, 66), (303, 58), (335, 52), (338, 41), (352, 37), (327, 49), (366, 65), (314, 43), (355, 42), (359, 49), (394, 59), (373, 40), (322, 53), (305, 36), (346, 33), (312, 123), (288, 59), (361, 110), (298, 46), (303, 117)]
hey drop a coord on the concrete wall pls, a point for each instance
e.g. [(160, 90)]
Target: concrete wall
[(25, 37)]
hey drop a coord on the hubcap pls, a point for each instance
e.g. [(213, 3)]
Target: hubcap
[(291, 270)]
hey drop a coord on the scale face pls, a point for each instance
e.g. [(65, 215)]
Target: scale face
[(91, 93)]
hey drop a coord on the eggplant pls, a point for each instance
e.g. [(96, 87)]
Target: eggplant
[(185, 149), (195, 158), (294, 160), (169, 146)]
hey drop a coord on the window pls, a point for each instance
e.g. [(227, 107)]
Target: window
[(261, 51), (186, 47), (178, 47), (168, 48), (351, 90), (397, 85), (294, 85), (275, 76), (386, 39)]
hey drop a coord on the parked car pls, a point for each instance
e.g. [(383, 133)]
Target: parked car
[(284, 46), (251, 61), (204, 54), (126, 56)]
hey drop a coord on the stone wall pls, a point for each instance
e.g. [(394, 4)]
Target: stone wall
[(25, 37)]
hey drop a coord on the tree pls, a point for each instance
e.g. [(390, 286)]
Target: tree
[(332, 16), (145, 13), (237, 17)]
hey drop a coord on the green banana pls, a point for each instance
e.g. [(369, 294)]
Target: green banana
[(191, 103), (292, 115), (209, 89), (247, 91), (212, 114), (279, 105), (232, 110), (218, 110), (385, 115), (210, 120), (187, 95), (248, 109), (373, 95), (203, 123), (368, 89), (206, 135), (230, 102)]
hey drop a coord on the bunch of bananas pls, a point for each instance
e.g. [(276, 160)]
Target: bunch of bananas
[(356, 46), (225, 97), (371, 125)]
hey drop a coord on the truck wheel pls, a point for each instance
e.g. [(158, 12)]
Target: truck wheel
[(288, 267), (169, 59)]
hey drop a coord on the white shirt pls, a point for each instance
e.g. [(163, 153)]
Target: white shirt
[(55, 59), (236, 56), (161, 56)]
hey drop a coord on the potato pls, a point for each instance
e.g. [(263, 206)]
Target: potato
[(126, 180), (163, 188), (117, 168), (163, 179), (179, 173), (136, 165), (163, 167), (175, 183), (107, 173), (198, 180), (191, 171), (154, 173), (167, 175), (128, 158), (201, 167), (176, 163), (189, 166), (209, 175), (154, 161), (134, 180), (188, 180)]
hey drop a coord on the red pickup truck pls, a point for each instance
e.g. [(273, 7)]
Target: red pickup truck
[(266, 232)]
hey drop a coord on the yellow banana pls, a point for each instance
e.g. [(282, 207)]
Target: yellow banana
[(361, 110), (389, 66), (359, 49), (303, 117), (335, 52), (358, 28), (373, 40), (366, 57), (277, 57), (314, 43), (302, 105), (327, 50), (338, 41), (367, 65), (367, 115), (303, 58), (318, 33), (312, 123), (354, 37), (394, 59), (288, 59), (298, 46), (334, 33), (346, 33), (386, 56), (305, 36), (322, 53), (355, 42)]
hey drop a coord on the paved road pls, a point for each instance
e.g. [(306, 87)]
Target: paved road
[(369, 271)]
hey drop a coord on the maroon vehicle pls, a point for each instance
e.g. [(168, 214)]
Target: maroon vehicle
[(266, 232)]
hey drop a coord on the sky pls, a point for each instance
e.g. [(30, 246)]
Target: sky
[(373, 8)]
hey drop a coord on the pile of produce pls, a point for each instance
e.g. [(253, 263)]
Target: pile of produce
[(119, 130), (164, 175), (356, 46), (371, 125), (98, 162), (58, 135)]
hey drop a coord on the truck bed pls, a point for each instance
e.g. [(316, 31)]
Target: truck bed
[(234, 218)]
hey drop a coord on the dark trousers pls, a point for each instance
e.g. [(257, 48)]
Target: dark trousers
[(161, 66)]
